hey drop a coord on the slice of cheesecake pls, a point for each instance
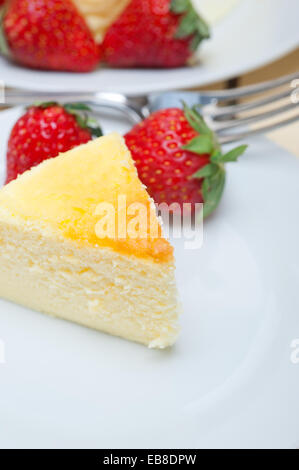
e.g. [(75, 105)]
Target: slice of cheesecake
[(80, 240)]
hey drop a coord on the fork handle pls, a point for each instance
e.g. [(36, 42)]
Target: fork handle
[(25, 97)]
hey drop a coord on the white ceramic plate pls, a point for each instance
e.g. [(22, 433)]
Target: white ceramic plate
[(250, 35), (228, 382)]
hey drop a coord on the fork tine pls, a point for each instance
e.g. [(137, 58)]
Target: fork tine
[(242, 92), (216, 112), (231, 124), (227, 139)]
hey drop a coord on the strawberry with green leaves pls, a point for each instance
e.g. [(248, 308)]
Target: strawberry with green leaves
[(179, 159), (155, 33), (46, 130), (47, 34)]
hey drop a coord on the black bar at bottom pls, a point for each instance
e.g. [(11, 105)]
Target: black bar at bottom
[(103, 458)]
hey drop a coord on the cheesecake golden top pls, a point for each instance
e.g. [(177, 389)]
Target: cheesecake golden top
[(93, 196)]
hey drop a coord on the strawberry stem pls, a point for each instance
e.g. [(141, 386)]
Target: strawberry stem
[(192, 24), (81, 113)]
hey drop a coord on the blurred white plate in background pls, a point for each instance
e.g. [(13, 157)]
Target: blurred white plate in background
[(247, 34), (232, 380)]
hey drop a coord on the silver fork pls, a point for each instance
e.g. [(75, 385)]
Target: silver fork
[(230, 121)]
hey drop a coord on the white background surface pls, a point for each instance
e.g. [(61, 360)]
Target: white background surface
[(253, 33), (229, 381)]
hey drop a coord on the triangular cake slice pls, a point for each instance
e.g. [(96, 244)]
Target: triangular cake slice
[(59, 255)]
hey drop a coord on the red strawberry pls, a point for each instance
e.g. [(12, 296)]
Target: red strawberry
[(44, 132), (178, 158), (154, 33), (48, 34)]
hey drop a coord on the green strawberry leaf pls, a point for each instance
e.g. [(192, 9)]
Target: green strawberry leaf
[(94, 128), (206, 171), (80, 111), (191, 24), (196, 40), (188, 25), (234, 154), (81, 120), (203, 28), (196, 120), (179, 6), (202, 144), (76, 107), (212, 191), (212, 174), (216, 156), (45, 105)]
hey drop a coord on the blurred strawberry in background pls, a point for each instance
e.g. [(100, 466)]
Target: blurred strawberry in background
[(155, 33), (48, 34), (45, 131)]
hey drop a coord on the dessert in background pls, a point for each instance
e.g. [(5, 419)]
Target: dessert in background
[(53, 260), (151, 33), (76, 35)]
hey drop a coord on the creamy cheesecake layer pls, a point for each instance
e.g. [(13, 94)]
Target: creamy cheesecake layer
[(100, 14), (122, 295)]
